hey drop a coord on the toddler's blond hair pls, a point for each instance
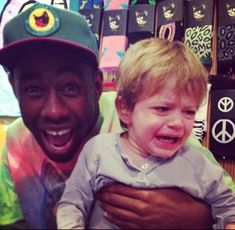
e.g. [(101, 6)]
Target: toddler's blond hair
[(149, 64)]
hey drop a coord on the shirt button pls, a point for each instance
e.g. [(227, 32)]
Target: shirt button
[(140, 175), (145, 166)]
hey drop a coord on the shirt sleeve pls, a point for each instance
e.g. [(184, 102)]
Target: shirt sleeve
[(194, 142), (74, 206), (218, 195), (10, 210)]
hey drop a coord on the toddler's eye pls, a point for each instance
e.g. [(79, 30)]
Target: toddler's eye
[(162, 109), (190, 113)]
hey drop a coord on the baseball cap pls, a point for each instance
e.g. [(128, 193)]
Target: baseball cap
[(43, 24)]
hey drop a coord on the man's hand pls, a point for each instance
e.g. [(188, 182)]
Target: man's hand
[(153, 208)]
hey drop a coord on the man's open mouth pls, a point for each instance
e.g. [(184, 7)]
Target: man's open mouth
[(58, 138)]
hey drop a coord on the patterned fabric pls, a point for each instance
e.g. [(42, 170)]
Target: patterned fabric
[(168, 31), (141, 23), (10, 210), (200, 124), (226, 48), (170, 20), (150, 2), (226, 42), (113, 49), (88, 4), (199, 129), (199, 38), (11, 9), (115, 5), (114, 40), (226, 37), (199, 28)]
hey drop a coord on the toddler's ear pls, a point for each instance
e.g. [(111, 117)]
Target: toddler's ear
[(124, 112)]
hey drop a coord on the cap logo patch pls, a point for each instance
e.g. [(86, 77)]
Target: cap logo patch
[(42, 20)]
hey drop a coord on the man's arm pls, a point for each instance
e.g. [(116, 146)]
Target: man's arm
[(154, 208), (230, 226), (10, 211)]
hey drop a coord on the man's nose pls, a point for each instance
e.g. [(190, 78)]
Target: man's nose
[(54, 107)]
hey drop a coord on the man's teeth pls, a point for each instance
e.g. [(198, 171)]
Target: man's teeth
[(58, 133)]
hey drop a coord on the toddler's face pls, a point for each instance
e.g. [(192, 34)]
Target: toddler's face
[(160, 124)]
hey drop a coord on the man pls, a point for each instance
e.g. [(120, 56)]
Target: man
[(52, 61)]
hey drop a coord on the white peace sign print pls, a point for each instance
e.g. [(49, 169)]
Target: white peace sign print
[(223, 136), (225, 104)]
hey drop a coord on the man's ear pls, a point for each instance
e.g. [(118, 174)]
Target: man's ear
[(12, 81), (124, 112)]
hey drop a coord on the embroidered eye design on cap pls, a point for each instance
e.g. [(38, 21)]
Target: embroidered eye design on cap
[(42, 21)]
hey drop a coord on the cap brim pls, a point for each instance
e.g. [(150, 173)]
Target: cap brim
[(12, 52)]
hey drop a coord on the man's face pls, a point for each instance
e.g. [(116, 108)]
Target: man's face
[(58, 97)]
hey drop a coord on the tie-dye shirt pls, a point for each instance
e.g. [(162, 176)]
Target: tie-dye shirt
[(40, 183)]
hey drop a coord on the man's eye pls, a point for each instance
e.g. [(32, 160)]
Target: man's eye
[(34, 91), (71, 90)]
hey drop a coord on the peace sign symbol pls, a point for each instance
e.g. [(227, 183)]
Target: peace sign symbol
[(225, 104), (223, 136)]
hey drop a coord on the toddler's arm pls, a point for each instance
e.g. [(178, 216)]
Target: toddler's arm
[(69, 217), (74, 206)]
